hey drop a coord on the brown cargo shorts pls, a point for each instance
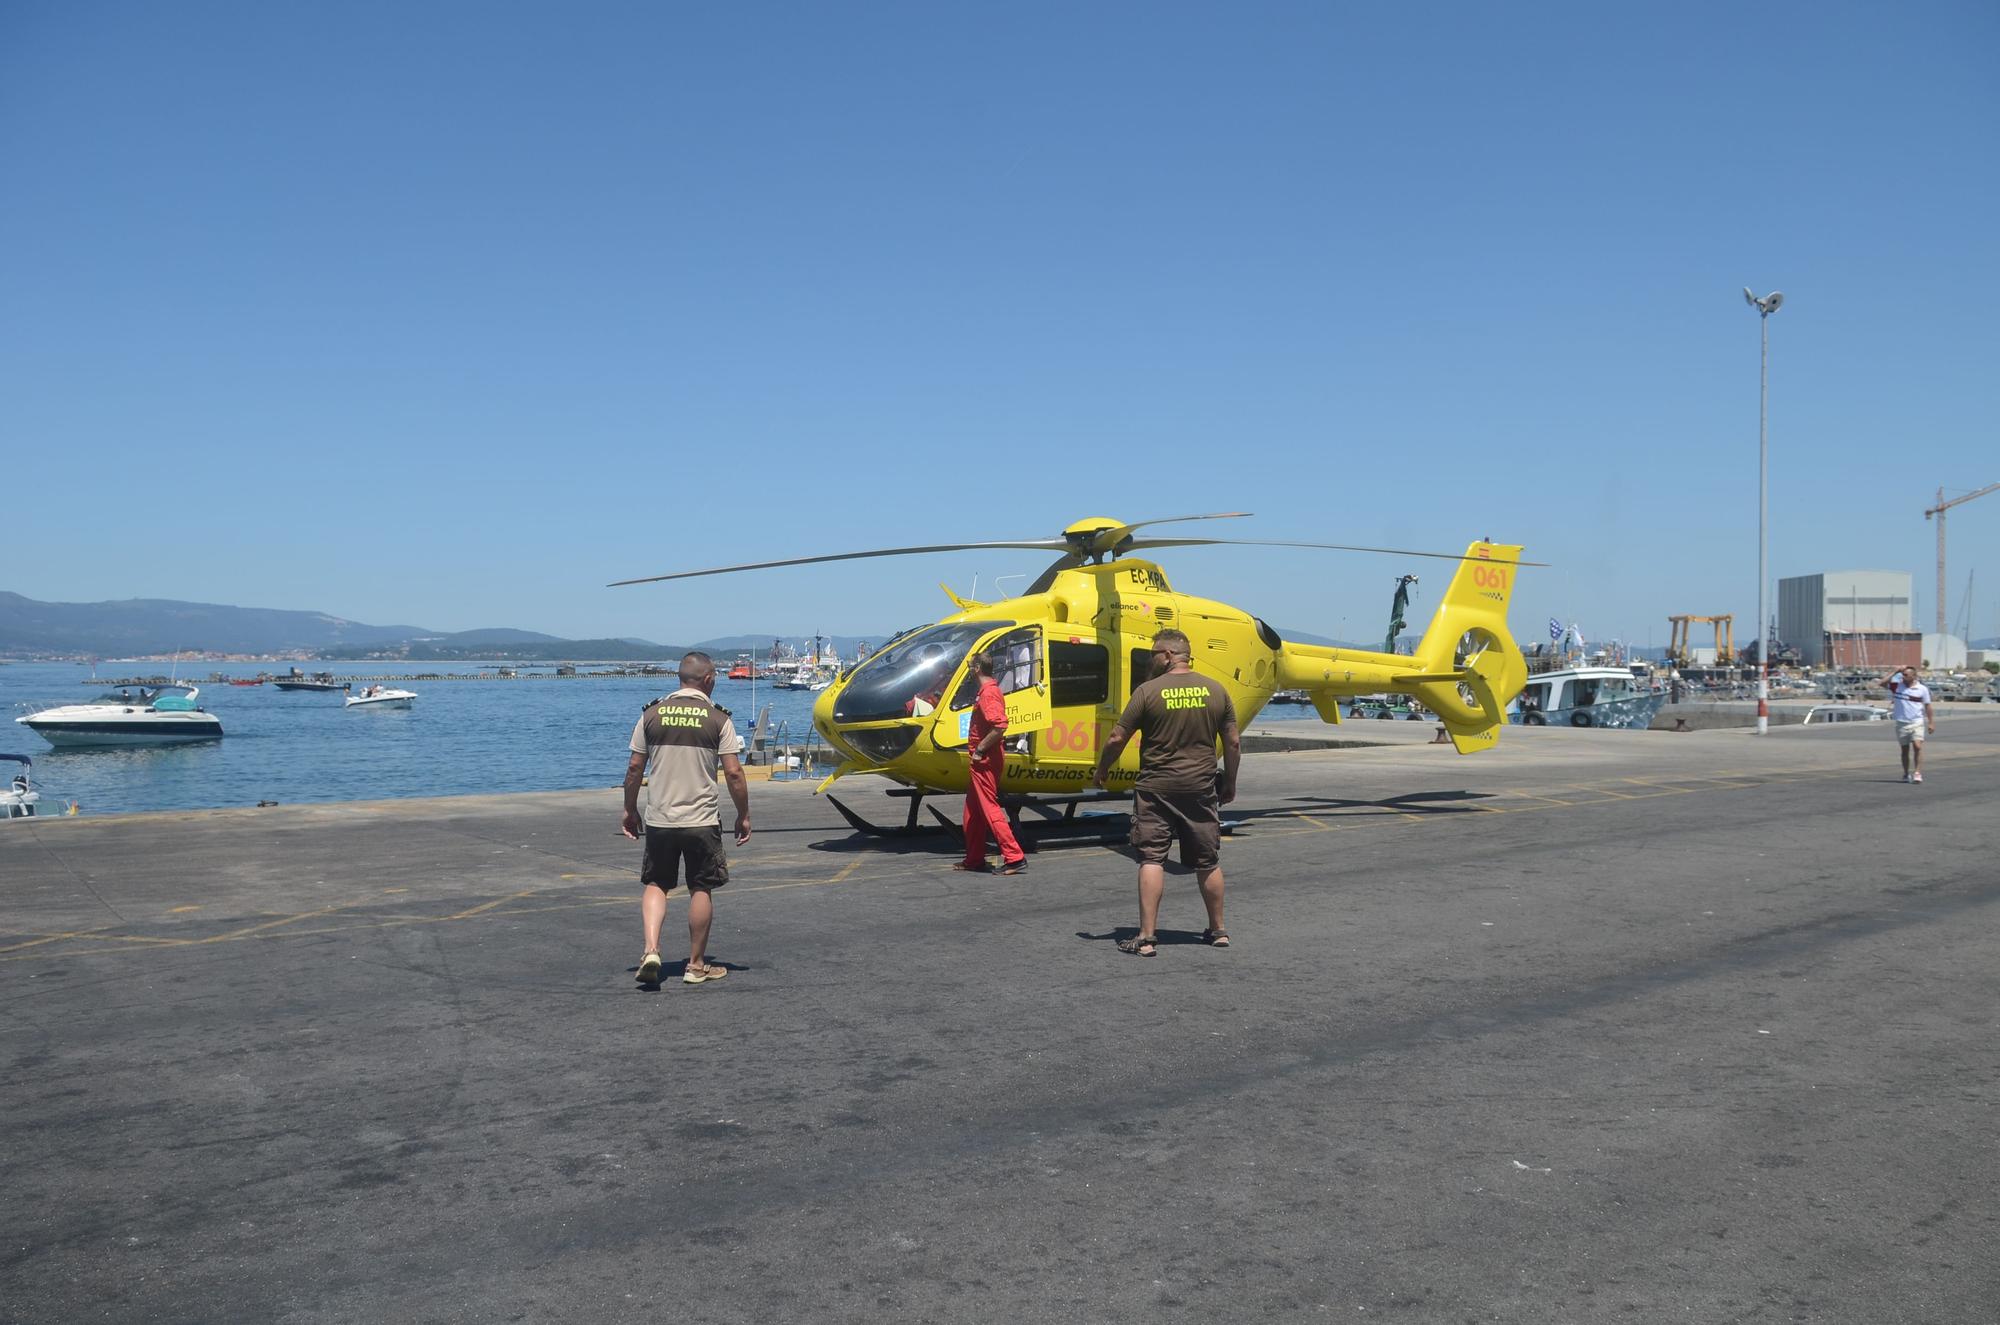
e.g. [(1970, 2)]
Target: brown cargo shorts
[(700, 848), (1194, 818)]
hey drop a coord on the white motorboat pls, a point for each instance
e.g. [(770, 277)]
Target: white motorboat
[(19, 797), (1587, 697), (380, 697), (130, 715), (1821, 714)]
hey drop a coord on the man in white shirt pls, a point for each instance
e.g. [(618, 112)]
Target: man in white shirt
[(1910, 711)]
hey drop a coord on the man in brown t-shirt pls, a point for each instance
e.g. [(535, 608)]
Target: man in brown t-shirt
[(1178, 715), (677, 746)]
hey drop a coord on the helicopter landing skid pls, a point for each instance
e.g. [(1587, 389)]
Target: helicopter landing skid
[(1057, 814), (909, 828), (1058, 820)]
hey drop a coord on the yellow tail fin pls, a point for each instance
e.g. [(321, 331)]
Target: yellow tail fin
[(1468, 666)]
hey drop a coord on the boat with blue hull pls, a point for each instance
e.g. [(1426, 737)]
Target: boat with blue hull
[(1587, 697)]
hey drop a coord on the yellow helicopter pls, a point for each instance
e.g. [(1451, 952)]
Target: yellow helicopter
[(1070, 649)]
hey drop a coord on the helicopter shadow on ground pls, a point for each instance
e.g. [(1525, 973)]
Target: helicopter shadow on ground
[(1407, 803), (935, 840)]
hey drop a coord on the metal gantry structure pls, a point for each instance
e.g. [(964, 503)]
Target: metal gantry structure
[(1680, 639), (1939, 510)]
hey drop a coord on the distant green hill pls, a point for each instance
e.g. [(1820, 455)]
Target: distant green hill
[(543, 648), (138, 626)]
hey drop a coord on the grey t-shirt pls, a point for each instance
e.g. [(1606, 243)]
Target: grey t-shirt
[(683, 737)]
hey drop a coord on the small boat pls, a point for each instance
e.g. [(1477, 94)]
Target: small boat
[(1821, 714), (1587, 697), (380, 697), (151, 715), (18, 797), (259, 681)]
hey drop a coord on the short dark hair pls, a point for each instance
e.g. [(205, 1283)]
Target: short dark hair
[(696, 667), (1174, 642), (984, 664)]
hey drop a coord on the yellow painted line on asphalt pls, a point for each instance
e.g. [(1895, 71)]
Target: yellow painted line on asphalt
[(196, 906), (488, 906), (49, 938)]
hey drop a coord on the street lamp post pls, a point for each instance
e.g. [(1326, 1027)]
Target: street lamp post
[(1766, 306)]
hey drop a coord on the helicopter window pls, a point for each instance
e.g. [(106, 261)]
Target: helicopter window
[(1079, 674), (908, 675), (1142, 668), (1017, 665)]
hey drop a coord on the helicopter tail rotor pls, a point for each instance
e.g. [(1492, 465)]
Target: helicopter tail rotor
[(1470, 666)]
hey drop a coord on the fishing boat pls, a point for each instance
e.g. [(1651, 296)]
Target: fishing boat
[(19, 797), (150, 715), (1586, 697), (297, 680), (380, 697)]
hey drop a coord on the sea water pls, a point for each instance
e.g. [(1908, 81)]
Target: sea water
[(459, 737), (537, 732)]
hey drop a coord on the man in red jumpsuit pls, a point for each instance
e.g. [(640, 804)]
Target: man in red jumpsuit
[(982, 792)]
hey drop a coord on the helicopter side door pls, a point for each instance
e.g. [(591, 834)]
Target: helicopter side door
[(1080, 707), (1020, 668)]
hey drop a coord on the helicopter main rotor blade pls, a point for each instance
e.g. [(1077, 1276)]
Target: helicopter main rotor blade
[(1139, 543), (1031, 545), (1107, 540)]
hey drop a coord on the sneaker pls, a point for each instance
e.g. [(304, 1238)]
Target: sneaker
[(1906, 777), (1916, 777), (649, 969), (703, 974)]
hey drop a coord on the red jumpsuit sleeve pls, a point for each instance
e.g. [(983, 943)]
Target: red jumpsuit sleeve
[(992, 707)]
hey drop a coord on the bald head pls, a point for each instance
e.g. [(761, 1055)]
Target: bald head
[(697, 670)]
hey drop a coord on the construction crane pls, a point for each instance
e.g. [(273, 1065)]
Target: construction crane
[(1939, 510), (1680, 645)]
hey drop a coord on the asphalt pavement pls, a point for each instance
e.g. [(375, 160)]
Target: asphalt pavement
[(1599, 1026)]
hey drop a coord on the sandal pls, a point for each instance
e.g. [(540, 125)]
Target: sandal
[(703, 974), (1215, 938), (1013, 866), (1140, 945)]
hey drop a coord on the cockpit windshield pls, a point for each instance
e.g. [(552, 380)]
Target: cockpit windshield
[(907, 679), (140, 696)]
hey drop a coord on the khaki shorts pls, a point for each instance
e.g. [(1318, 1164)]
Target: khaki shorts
[(700, 848), (1910, 733), (1192, 817)]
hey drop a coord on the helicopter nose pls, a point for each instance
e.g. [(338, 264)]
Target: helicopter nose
[(823, 711)]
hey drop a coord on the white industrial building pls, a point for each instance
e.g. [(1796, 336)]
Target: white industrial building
[(1849, 618)]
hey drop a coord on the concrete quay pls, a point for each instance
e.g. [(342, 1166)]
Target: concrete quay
[(1597, 1026)]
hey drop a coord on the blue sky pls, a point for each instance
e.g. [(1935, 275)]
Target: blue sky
[(449, 314)]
